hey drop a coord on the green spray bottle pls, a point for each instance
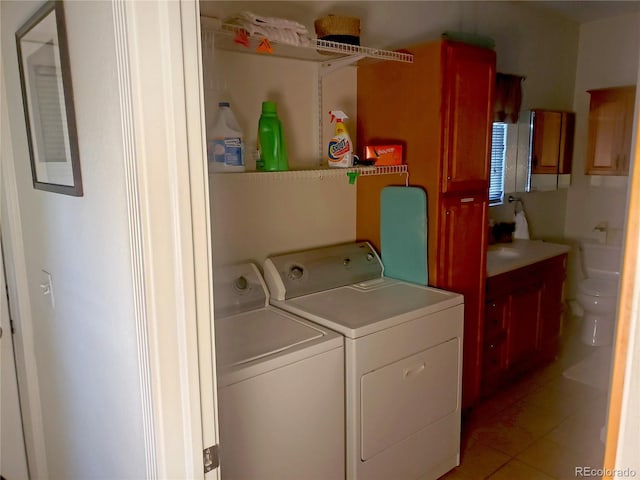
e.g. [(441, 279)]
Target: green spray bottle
[(271, 143)]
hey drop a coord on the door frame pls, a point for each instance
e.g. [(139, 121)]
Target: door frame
[(622, 440), (20, 303), (17, 464), (160, 71)]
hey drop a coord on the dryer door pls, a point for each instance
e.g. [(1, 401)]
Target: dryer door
[(406, 396)]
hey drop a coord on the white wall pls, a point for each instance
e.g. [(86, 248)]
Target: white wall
[(529, 41), (262, 215), (607, 57), (85, 348)]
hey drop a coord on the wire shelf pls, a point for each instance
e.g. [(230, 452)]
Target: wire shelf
[(317, 50), (321, 173)]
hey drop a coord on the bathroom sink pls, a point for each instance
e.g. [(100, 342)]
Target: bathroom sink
[(520, 253), (505, 252)]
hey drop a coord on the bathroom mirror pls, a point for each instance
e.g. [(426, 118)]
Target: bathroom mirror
[(539, 150)]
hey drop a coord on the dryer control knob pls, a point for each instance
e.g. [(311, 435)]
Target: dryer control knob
[(241, 284), (295, 273)]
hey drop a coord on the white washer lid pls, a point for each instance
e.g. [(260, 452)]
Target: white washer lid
[(599, 287), (251, 335)]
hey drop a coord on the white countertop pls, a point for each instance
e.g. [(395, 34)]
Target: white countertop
[(504, 257)]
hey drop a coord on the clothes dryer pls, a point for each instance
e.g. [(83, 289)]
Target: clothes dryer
[(403, 357)]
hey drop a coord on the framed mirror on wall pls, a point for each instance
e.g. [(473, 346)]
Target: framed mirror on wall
[(47, 95)]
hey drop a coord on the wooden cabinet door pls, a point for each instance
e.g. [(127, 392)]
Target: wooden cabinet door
[(610, 125), (552, 142), (461, 267), (552, 306), (468, 84), (566, 142), (524, 325), (545, 150), (494, 356)]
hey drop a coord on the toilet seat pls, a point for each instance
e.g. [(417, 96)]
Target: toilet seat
[(599, 287)]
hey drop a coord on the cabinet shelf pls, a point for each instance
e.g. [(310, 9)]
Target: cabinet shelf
[(317, 50), (322, 173)]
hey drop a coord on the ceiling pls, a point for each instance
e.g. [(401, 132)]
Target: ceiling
[(588, 11)]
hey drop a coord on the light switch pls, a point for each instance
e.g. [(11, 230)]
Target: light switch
[(46, 286)]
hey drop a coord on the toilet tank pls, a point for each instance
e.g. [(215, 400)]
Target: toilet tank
[(601, 260)]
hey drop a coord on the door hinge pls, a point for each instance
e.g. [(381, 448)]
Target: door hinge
[(210, 458)]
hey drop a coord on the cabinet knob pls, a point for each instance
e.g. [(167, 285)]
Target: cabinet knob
[(448, 178)]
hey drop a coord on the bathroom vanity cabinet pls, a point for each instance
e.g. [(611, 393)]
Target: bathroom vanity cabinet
[(523, 320), (610, 130), (445, 126)]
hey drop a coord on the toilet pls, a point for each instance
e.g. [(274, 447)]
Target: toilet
[(598, 292)]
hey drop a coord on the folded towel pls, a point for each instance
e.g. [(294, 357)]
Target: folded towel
[(275, 29), (274, 22), (522, 227)]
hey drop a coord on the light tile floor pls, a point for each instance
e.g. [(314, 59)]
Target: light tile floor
[(541, 428)]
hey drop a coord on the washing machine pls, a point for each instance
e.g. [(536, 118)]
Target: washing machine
[(280, 386), (403, 357)]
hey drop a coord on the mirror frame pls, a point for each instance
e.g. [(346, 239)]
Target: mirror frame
[(59, 103)]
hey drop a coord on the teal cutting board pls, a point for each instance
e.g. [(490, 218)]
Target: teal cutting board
[(403, 233)]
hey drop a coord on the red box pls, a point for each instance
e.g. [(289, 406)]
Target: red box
[(383, 154)]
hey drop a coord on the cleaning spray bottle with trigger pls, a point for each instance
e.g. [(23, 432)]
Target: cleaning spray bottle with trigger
[(340, 152)]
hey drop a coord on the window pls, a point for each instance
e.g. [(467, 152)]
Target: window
[(498, 154)]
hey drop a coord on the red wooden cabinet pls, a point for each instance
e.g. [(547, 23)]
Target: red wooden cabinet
[(469, 78), (523, 321), (443, 118)]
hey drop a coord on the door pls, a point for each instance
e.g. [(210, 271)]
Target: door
[(552, 306), (546, 141), (462, 245), (552, 145), (610, 124), (524, 325), (494, 358), (468, 85), (13, 457)]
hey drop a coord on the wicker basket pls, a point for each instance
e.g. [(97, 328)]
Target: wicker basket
[(338, 28)]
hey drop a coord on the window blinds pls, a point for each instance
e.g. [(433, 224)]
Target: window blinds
[(498, 152)]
